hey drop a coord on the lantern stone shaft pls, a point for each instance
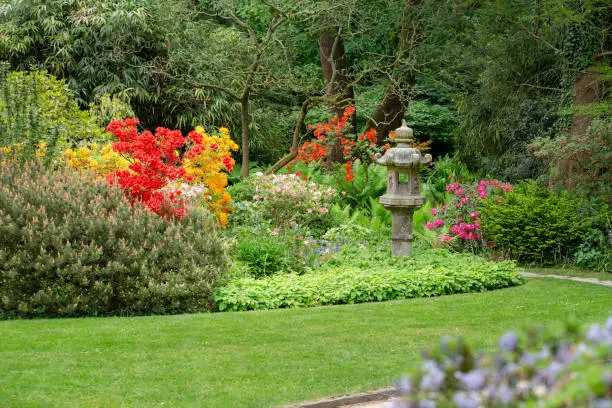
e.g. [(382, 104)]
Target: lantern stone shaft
[(403, 180)]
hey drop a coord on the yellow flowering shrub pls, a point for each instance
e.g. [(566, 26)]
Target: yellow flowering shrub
[(12, 152), (101, 161), (207, 168)]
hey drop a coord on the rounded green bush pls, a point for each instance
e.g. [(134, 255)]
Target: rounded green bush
[(532, 225), (71, 246), (264, 256)]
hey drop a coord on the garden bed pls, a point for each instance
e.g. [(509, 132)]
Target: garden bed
[(429, 273)]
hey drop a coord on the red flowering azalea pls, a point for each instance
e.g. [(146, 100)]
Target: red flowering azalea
[(155, 162)]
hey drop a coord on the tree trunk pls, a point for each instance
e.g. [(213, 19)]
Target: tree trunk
[(337, 85), (244, 111), (390, 112), (295, 142), (586, 91)]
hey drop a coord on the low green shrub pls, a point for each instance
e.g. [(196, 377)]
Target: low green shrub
[(70, 246), (563, 366), (263, 255), (431, 273), (243, 190), (532, 225)]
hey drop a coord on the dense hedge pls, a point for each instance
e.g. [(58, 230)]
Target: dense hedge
[(354, 284), (530, 224), (70, 246)]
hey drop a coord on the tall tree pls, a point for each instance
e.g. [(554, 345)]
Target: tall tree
[(260, 30), (338, 87), (390, 112)]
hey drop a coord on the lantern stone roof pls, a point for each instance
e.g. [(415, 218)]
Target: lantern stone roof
[(402, 155)]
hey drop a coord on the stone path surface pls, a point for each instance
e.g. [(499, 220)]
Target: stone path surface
[(573, 278), (384, 398)]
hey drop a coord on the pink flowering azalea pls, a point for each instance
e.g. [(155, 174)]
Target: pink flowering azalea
[(429, 225), (452, 187), (447, 238), (474, 215), (439, 222), (434, 211)]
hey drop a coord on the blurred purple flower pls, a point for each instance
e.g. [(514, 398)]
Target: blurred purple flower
[(473, 380), (427, 404), (508, 342), (504, 394), (433, 378), (404, 385), (466, 400)]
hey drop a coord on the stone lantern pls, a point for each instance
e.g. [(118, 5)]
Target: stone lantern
[(403, 180)]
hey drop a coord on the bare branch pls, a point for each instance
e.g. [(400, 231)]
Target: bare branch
[(295, 142), (244, 25), (532, 34), (223, 89)]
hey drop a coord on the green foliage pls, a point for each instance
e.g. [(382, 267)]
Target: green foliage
[(108, 108), (70, 246), (444, 171), (369, 184), (510, 67), (595, 252), (591, 154), (430, 274), (243, 190), (263, 255), (36, 108), (433, 122), (530, 224)]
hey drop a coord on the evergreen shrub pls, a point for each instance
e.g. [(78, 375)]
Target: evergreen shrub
[(532, 225), (71, 246)]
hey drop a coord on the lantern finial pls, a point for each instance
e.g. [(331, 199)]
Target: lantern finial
[(403, 134)]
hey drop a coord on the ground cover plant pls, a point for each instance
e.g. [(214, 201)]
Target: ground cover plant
[(380, 278), (264, 358), (74, 246)]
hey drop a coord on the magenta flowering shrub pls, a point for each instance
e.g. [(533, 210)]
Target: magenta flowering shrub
[(458, 222), (289, 201)]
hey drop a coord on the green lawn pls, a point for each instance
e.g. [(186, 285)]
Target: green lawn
[(261, 359)]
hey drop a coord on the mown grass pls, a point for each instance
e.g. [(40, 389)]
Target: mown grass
[(261, 359)]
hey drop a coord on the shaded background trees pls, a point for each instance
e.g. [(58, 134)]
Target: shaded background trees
[(480, 79)]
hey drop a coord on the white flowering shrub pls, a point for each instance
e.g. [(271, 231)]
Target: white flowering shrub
[(288, 200)]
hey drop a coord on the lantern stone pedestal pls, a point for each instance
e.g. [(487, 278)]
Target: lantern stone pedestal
[(403, 197)]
